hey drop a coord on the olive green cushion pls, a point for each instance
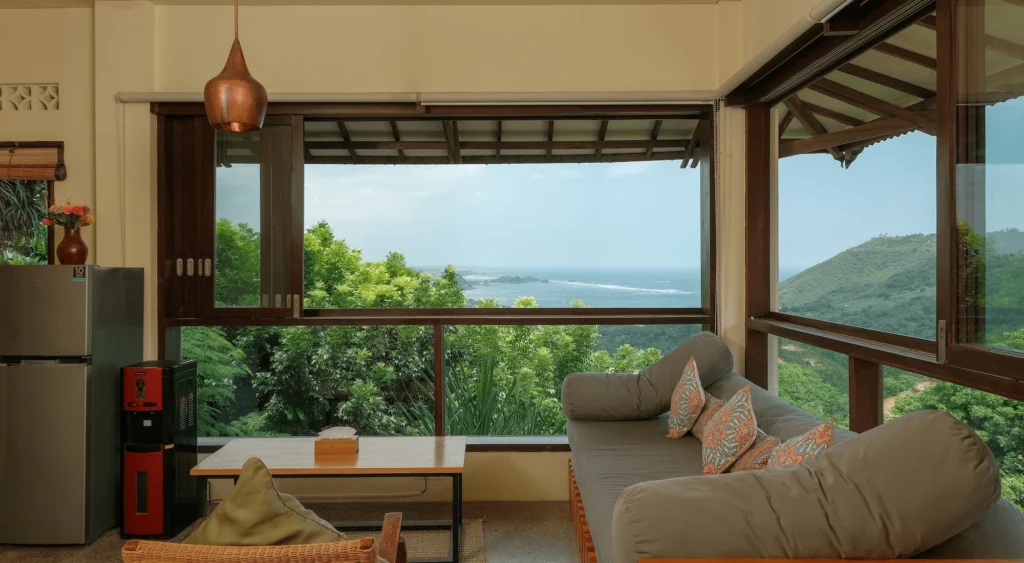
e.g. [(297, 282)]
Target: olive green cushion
[(255, 513)]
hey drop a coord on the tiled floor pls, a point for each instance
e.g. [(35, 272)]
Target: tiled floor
[(514, 532)]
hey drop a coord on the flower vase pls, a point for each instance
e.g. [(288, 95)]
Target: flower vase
[(72, 250)]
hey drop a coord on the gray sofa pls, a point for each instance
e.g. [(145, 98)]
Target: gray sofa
[(921, 486)]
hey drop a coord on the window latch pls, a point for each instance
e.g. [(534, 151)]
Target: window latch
[(179, 266), (940, 339)]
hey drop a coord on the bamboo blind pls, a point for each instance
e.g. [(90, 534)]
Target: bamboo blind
[(32, 163)]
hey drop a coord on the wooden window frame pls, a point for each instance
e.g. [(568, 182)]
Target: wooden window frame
[(183, 302), (948, 360)]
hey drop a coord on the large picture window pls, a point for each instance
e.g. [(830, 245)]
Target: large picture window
[(431, 275)]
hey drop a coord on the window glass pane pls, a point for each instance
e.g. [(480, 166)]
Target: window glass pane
[(857, 211), (623, 234), (815, 380), (997, 420), (237, 237), (23, 238), (501, 380), (990, 175), (507, 380), (296, 381)]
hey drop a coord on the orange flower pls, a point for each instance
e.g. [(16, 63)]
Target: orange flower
[(77, 210), (87, 219), (47, 222), (53, 207), (66, 209)]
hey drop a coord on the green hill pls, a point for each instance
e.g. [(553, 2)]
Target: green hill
[(887, 283)]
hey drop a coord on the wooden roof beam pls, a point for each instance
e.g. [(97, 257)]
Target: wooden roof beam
[(497, 151), (785, 121), (601, 134), (907, 55), (811, 123), (494, 145), (691, 146), (551, 134), (887, 81), (874, 129), (992, 43), (344, 134), (654, 136), (506, 159), (398, 138), (872, 104), (833, 114), (451, 137)]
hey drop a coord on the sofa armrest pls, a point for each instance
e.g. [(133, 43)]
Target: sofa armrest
[(610, 396)]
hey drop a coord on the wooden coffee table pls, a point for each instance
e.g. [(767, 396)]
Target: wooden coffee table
[(377, 457)]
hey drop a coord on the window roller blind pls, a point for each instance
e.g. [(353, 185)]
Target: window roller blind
[(32, 163)]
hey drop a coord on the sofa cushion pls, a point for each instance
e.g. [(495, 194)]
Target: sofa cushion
[(998, 534), (687, 402), (255, 513), (798, 448), (711, 406), (607, 457), (774, 415), (613, 396), (730, 432), (756, 457), (894, 491)]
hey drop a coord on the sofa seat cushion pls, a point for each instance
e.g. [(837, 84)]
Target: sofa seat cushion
[(998, 534), (608, 457)]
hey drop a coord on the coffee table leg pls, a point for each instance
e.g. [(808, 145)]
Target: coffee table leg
[(202, 496), (456, 516)]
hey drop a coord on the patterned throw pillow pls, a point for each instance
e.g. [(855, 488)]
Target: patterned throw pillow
[(687, 402), (711, 406), (757, 456), (729, 433), (798, 448)]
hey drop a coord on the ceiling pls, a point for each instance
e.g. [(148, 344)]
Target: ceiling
[(889, 90), (88, 3)]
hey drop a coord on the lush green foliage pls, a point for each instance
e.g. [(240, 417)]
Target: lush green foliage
[(23, 238), (379, 379)]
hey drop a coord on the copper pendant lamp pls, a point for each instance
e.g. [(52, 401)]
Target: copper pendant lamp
[(235, 101)]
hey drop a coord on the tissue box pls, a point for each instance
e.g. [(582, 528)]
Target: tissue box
[(336, 441)]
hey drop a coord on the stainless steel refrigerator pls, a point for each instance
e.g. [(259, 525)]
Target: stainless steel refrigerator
[(65, 334)]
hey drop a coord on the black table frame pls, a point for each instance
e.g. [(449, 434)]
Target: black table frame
[(454, 526)]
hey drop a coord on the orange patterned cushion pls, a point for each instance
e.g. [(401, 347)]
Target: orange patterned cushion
[(757, 456), (730, 433), (687, 402), (798, 448), (711, 406)]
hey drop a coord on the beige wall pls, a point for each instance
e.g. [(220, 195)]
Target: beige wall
[(47, 46), (334, 49)]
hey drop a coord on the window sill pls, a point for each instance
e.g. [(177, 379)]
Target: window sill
[(474, 444)]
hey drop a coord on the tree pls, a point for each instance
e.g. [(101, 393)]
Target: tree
[(219, 364), (804, 388)]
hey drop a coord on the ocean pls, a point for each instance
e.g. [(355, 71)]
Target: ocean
[(596, 287)]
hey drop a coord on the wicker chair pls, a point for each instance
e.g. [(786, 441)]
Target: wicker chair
[(390, 549)]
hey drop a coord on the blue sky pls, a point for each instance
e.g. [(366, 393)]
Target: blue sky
[(629, 215)]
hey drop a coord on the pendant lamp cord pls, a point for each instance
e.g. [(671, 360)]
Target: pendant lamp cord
[(236, 19)]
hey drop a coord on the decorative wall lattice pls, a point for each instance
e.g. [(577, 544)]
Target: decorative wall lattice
[(29, 97)]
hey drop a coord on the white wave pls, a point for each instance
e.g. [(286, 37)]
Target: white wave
[(625, 288)]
